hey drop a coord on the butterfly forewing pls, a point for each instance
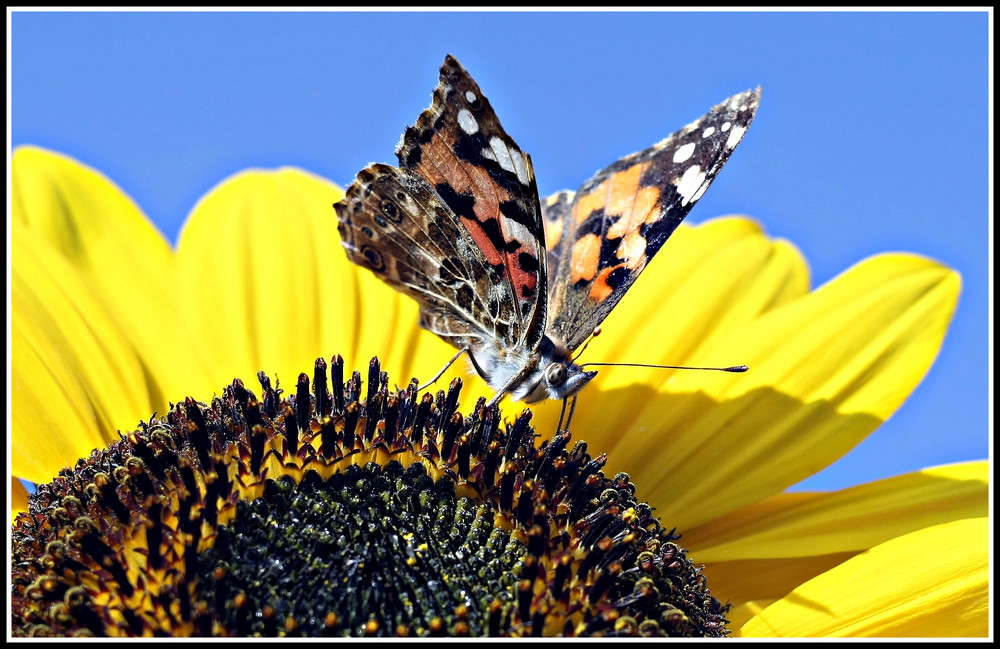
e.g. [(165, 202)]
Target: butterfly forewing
[(460, 149), (622, 216), (555, 209)]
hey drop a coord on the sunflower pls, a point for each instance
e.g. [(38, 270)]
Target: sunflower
[(112, 330)]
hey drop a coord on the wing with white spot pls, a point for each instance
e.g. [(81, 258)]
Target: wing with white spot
[(621, 217), (460, 149)]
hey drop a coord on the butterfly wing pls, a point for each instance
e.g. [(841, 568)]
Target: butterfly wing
[(600, 238), (392, 222), (459, 147), (555, 210), (457, 225)]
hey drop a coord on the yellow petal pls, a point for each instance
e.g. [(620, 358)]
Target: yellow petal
[(75, 378), (251, 260), (82, 214), (853, 519), (766, 550), (267, 284), (705, 283), (865, 339), (739, 614), (755, 580), (118, 254), (18, 498), (826, 370), (929, 583)]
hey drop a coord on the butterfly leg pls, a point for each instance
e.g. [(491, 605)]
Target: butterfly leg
[(444, 369), (561, 414), (572, 408), (515, 380), (499, 395)]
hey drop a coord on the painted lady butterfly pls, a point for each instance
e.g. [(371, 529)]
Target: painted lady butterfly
[(517, 283)]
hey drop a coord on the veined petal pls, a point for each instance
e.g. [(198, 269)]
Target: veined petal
[(118, 254), (854, 519), (269, 287), (826, 370), (251, 261), (929, 583), (75, 378), (743, 582), (885, 316), (766, 550), (739, 614), (81, 213)]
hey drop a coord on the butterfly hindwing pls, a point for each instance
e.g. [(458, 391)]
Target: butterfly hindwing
[(621, 217), (460, 149), (392, 222)]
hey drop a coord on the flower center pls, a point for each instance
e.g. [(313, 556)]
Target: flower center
[(323, 513), (387, 549)]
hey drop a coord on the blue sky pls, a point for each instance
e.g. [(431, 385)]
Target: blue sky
[(872, 134)]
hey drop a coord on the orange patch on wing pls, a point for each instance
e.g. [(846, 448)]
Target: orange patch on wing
[(585, 257), (437, 163), (482, 241), (623, 186), (587, 203), (525, 282), (553, 233), (633, 203), (600, 290), (488, 194), (647, 203)]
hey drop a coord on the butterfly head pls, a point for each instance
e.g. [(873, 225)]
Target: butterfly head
[(556, 375), (546, 373)]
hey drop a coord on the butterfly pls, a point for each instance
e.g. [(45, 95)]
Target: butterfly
[(515, 282)]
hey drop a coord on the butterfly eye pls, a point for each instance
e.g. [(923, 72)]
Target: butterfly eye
[(556, 374)]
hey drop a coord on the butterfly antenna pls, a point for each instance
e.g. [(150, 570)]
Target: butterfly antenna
[(443, 369), (593, 334), (734, 368)]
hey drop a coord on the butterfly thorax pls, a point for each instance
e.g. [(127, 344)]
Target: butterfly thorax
[(548, 372)]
